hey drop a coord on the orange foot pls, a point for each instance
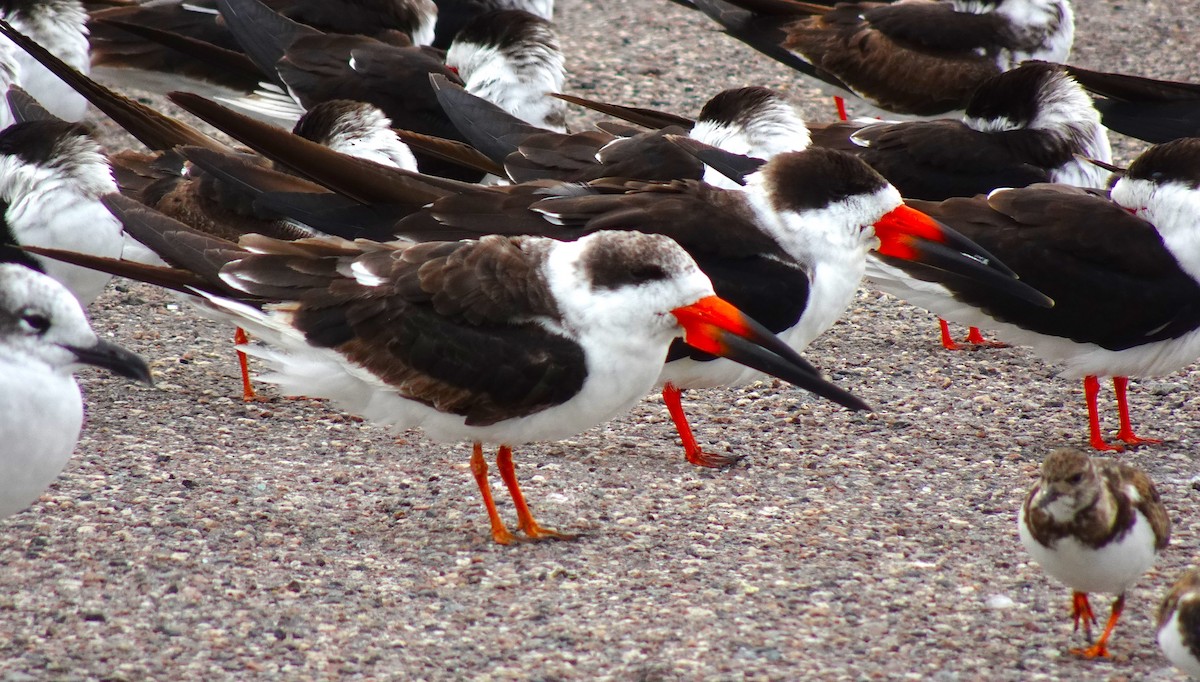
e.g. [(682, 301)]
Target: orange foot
[(535, 532), (1097, 650)]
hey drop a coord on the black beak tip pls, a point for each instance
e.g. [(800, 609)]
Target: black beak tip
[(115, 359)]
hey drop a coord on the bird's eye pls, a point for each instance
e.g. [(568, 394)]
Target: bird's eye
[(647, 273), (35, 323), (1076, 479)]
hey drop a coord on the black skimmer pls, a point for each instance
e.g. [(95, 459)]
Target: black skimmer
[(1027, 125), (44, 335), (1030, 124), (358, 129), (908, 58), (753, 121), (1146, 108), (502, 340), (311, 67), (512, 59), (453, 15), (1096, 525), (59, 25), (1179, 623), (792, 246), (1123, 271), (52, 175)]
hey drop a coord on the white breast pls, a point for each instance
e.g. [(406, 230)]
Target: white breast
[(1110, 569), (40, 416)]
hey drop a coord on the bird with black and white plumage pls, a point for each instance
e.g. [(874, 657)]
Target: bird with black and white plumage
[(754, 121), (59, 26), (1122, 267), (52, 175), (453, 15), (44, 337), (499, 340), (1096, 525)]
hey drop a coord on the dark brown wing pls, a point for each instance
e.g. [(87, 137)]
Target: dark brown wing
[(897, 75), (216, 197), (908, 24), (447, 326), (593, 155), (1112, 279), (1150, 503), (716, 227), (937, 160)]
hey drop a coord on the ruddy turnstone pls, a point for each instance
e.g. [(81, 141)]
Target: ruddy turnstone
[(1096, 525), (1179, 623)]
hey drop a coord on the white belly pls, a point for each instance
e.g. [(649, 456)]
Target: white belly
[(40, 417)]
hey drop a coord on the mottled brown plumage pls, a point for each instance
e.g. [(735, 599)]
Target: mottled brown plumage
[(1097, 525), (1108, 517)]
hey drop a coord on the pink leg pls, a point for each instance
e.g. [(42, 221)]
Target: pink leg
[(1091, 389), (1126, 434)]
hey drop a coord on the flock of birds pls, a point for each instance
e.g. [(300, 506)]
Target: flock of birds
[(430, 247)]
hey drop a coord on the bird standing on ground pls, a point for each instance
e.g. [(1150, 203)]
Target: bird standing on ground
[(503, 340), (791, 247), (43, 337), (1096, 525), (1123, 269)]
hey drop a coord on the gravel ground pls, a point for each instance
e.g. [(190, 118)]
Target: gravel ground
[(198, 537)]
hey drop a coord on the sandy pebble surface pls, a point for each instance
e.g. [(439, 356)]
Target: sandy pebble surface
[(196, 537)]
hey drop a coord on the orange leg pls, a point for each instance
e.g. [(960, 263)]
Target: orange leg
[(1091, 389), (840, 103), (240, 338), (672, 396), (1081, 610), (1100, 648), (1126, 434), (525, 519), (479, 468)]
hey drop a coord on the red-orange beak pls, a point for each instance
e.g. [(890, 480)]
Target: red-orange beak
[(715, 326), (910, 235)]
